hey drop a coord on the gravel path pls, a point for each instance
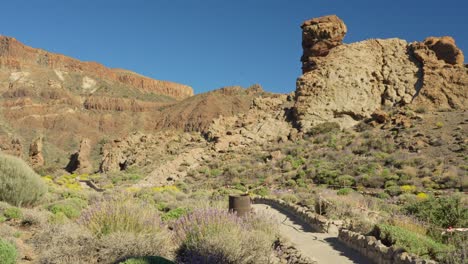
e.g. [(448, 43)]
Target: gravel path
[(323, 247)]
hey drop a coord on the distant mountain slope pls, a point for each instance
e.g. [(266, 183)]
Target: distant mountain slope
[(63, 100), (19, 58)]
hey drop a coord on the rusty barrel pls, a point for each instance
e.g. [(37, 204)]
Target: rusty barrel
[(239, 204)]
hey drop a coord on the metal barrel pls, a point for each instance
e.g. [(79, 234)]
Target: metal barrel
[(239, 204)]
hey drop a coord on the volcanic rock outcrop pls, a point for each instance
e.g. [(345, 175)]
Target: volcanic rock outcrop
[(80, 160), (319, 35), (36, 157), (351, 81), (266, 121)]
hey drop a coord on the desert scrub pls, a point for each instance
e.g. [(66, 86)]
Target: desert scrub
[(443, 212), (147, 260), (121, 214), (71, 207), (13, 213), (73, 243), (217, 236), (8, 252), (19, 184), (412, 242), (344, 191), (174, 214)]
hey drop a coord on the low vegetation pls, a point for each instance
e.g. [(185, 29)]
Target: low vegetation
[(19, 184), (217, 236), (8, 252)]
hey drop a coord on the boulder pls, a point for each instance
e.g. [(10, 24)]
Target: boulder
[(319, 35), (445, 49)]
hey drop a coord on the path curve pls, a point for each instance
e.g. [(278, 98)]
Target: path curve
[(322, 247)]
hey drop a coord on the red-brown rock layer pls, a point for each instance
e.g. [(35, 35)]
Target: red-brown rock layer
[(15, 55)]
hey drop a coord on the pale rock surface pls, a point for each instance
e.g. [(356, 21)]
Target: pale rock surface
[(349, 82), (319, 35), (266, 121), (354, 80), (80, 160)]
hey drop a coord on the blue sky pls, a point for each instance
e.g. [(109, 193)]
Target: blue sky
[(208, 44)]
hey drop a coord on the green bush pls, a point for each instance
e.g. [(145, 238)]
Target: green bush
[(174, 214), (393, 190), (345, 180), (71, 208), (8, 252), (344, 191), (13, 213), (19, 184), (383, 195), (412, 242), (443, 212)]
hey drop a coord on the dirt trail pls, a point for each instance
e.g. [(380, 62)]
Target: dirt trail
[(323, 247)]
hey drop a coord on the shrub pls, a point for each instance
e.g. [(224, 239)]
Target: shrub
[(123, 245), (345, 180), (324, 128), (19, 184), (174, 214), (408, 189), (443, 212), (344, 191), (393, 190), (383, 195), (13, 213), (147, 260), (121, 215), (8, 252), (217, 236), (412, 242), (72, 243), (71, 208), (422, 196)]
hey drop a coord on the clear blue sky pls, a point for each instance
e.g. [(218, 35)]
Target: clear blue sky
[(213, 43)]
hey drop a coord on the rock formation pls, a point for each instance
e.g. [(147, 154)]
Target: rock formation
[(319, 35), (444, 80), (266, 121), (11, 146), (80, 160), (14, 54), (445, 49), (351, 81), (36, 157), (147, 150)]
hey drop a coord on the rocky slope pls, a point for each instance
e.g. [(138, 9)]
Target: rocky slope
[(63, 100), (346, 83), (16, 56)]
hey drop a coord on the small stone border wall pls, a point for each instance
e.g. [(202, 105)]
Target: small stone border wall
[(368, 246), (373, 248)]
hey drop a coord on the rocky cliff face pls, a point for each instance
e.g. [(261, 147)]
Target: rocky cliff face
[(64, 100), (347, 83), (15, 55)]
